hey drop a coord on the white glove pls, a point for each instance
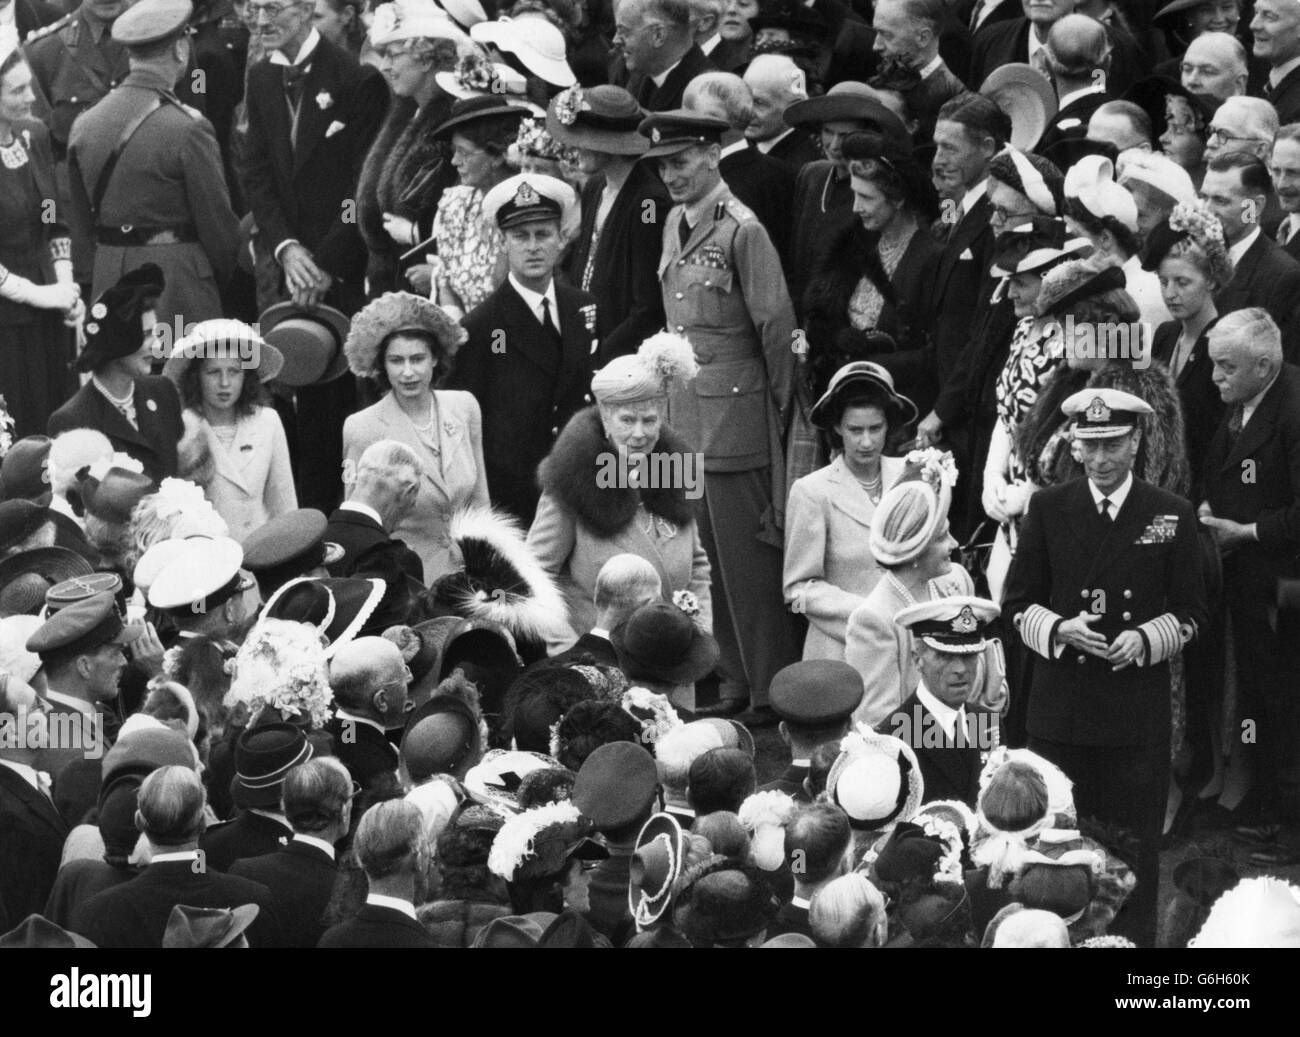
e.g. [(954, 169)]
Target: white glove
[(43, 296), (400, 229), (994, 496)]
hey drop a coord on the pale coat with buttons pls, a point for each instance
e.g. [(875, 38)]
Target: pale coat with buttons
[(454, 473), (829, 567), (252, 479)]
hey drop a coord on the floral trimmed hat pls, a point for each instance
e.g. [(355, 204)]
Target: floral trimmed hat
[(393, 312)]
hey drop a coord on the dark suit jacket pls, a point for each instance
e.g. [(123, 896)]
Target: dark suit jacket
[(358, 535), (1202, 404), (669, 96), (157, 410), (369, 757), (796, 149), (927, 97), (790, 782), (1286, 98), (32, 14), (1071, 122), (625, 272), (1267, 276), (791, 919), (377, 927), (609, 913), (999, 43), (961, 285), (78, 881), (248, 835), (1068, 555), (31, 842), (822, 209), (300, 192), (950, 771), (300, 878), (766, 185), (526, 390), (599, 648), (135, 913)]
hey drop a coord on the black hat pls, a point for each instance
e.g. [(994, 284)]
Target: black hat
[(855, 375), (1149, 94), (25, 473), (679, 129), (896, 155), (725, 904), (288, 546), (82, 627), (657, 863), (472, 109), (114, 497), (1068, 150), (1032, 246), (336, 608), (909, 854), (115, 324), (538, 698), (816, 692), (660, 642), (19, 519), (616, 785), (26, 577), (804, 24), (440, 737), (263, 756)]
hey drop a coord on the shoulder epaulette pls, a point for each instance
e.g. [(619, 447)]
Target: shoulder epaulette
[(738, 209), (47, 30)]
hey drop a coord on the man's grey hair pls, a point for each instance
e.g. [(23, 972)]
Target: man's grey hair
[(703, 8), (728, 89), (625, 583), (778, 68), (314, 794), (1225, 42), (169, 809), (389, 838), (391, 459), (1252, 331)]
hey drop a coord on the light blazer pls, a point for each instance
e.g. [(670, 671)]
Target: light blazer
[(453, 478), (829, 569), (574, 554), (252, 481)]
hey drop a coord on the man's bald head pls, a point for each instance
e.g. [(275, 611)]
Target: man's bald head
[(1215, 64), (369, 678), (1121, 123), (775, 82), (1077, 48)]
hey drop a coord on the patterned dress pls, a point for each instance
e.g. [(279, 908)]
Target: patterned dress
[(1030, 364), (468, 250)]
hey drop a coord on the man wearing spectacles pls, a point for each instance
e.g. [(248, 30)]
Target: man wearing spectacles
[(369, 679), (655, 41)]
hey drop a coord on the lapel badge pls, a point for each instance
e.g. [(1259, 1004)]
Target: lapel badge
[(965, 621), (1097, 410), (655, 135), (151, 405), (526, 195)]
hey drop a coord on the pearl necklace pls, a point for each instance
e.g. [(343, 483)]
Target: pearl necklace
[(13, 154)]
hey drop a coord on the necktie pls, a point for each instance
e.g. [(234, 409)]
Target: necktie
[(1105, 509), (294, 76), (547, 323), (1039, 61), (683, 231), (1235, 422), (1284, 231)]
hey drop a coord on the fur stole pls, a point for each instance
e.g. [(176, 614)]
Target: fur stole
[(569, 475)]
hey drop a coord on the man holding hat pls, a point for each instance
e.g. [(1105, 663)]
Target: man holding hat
[(624, 203), (528, 357), (949, 636), (814, 699), (145, 173), (139, 413), (1106, 588), (724, 290)]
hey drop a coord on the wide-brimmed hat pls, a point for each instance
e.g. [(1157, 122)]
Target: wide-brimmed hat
[(657, 863), (439, 737), (1175, 7), (310, 341), (392, 312), (19, 519), (876, 780), (412, 20), (336, 608), (1159, 172), (114, 497), (37, 932), (494, 781), (465, 13), (660, 642), (901, 411), (532, 39), (476, 76), (26, 577), (482, 648), (263, 756), (1033, 246), (15, 629), (114, 325), (1068, 150), (225, 339), (727, 902), (208, 926), (600, 118), (1026, 95), (1071, 283), (847, 101), (24, 472), (1090, 184), (476, 108)]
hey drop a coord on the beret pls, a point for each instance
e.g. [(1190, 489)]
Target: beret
[(816, 692)]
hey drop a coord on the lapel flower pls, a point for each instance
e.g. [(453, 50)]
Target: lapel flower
[(324, 101), (687, 602), (99, 311)]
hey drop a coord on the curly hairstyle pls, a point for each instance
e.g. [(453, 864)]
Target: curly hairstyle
[(251, 392), (400, 313)]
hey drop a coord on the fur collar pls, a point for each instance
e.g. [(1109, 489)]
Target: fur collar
[(569, 475)]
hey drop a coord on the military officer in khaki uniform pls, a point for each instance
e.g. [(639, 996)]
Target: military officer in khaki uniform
[(724, 290), (164, 199)]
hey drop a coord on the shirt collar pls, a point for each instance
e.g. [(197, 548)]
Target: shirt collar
[(932, 66), (395, 903), (308, 45), (271, 815), (801, 763), (733, 147), (945, 714), (1035, 45), (28, 774), (711, 44), (1239, 249), (534, 299), (67, 700), (1074, 95), (7, 13), (179, 855), (1117, 498), (972, 197), (1279, 73), (659, 79), (320, 844), (364, 509), (348, 715), (1248, 408), (803, 903), (600, 632), (767, 145), (695, 212)]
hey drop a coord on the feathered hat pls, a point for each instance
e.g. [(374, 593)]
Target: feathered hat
[(662, 361), (393, 312), (876, 780)]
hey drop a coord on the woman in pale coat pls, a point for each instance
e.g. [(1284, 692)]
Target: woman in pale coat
[(234, 445), (406, 343), (829, 568), (620, 481), (912, 542)]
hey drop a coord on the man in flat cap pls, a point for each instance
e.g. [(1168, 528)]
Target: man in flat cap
[(1105, 589), (724, 290), (528, 357), (949, 636), (145, 173), (814, 699), (138, 412)]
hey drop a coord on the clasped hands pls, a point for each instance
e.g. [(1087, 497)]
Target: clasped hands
[(1077, 632), (307, 282)]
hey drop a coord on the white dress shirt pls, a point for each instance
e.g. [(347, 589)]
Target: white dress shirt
[(179, 855), (396, 903), (362, 509), (320, 844), (1239, 249), (534, 300), (304, 52), (948, 717), (1116, 497)]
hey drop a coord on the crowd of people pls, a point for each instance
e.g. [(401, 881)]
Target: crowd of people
[(654, 473)]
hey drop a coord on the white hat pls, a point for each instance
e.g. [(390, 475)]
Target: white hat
[(225, 339), (1091, 181), (528, 197), (531, 38), (954, 625), (876, 780), (158, 556), (465, 13), (204, 575), (413, 20), (1258, 912), (14, 656), (475, 76), (1158, 171), (493, 780), (1104, 413)]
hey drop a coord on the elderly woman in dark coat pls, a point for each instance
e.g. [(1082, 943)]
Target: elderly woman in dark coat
[(619, 480)]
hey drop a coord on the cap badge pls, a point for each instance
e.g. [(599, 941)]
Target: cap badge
[(965, 623), (526, 195), (1097, 410), (655, 135)]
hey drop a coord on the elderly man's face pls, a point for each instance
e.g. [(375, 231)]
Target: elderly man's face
[(1224, 193), (1208, 68), (1108, 461), (1047, 12), (1276, 28), (1231, 130), (1285, 169), (1118, 129), (960, 162), (638, 35), (898, 36), (833, 137), (947, 675), (1237, 375), (395, 678), (771, 98)]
